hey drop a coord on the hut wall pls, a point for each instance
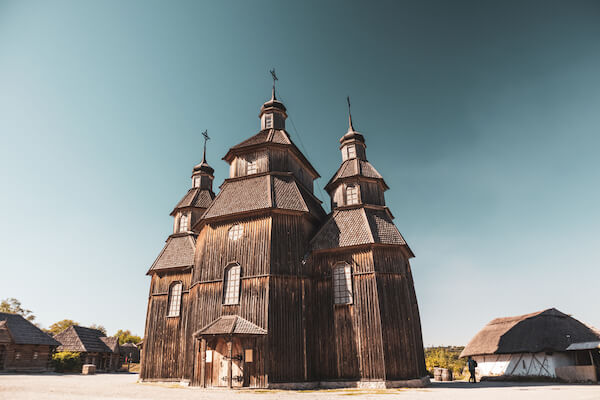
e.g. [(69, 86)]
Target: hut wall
[(522, 364), (26, 360), (165, 339)]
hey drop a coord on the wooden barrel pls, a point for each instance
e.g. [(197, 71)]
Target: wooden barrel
[(446, 375), (437, 374)]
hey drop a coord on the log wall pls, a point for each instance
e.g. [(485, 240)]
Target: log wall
[(26, 361)]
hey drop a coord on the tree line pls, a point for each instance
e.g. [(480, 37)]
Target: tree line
[(14, 306)]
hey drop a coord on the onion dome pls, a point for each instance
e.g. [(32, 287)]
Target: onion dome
[(351, 134), (273, 103), (204, 167)]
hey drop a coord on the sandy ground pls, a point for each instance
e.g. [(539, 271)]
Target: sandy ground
[(125, 386)]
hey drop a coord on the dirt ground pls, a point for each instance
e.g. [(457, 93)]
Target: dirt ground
[(125, 386)]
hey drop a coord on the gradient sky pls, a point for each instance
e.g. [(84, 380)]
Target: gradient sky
[(483, 117)]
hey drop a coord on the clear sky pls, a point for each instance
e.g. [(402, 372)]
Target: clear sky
[(483, 117)]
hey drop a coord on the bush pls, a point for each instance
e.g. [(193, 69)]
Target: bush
[(445, 357), (67, 361)]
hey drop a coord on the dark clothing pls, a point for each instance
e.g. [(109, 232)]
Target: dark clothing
[(472, 364)]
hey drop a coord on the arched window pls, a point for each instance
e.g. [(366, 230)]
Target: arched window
[(236, 232), (351, 194), (175, 299), (231, 284), (183, 223), (342, 283)]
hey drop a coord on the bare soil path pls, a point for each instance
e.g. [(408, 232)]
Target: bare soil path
[(125, 387)]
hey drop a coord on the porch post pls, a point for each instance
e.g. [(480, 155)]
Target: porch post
[(203, 362), (229, 362)]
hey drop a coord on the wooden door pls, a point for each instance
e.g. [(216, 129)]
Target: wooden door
[(2, 356), (220, 364)]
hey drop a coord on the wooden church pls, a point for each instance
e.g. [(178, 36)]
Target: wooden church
[(258, 287)]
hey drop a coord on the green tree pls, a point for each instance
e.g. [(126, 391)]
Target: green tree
[(60, 326), (99, 327), (13, 306), (127, 337)]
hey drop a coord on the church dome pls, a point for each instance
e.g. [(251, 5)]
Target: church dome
[(204, 167)]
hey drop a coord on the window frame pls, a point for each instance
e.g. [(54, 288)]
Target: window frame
[(231, 298), (339, 298), (348, 155), (235, 232), (171, 310), (269, 121), (183, 217), (251, 166), (355, 195)]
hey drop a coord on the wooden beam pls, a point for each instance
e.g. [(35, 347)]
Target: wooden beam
[(203, 362), (229, 362)]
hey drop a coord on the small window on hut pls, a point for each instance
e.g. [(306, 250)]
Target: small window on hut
[(236, 232), (251, 167), (17, 355), (351, 195), (342, 283), (183, 223), (175, 299), (231, 284), (35, 355)]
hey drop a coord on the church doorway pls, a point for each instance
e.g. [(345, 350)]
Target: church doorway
[(224, 359)]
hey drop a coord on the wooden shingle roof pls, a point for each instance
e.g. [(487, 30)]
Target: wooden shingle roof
[(357, 226), (355, 167), (82, 339), (24, 332), (112, 343), (230, 325), (195, 197), (548, 330), (263, 191), (177, 253)]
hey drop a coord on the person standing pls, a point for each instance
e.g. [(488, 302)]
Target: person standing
[(472, 364)]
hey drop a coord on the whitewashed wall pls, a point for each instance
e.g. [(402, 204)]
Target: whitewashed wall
[(522, 364)]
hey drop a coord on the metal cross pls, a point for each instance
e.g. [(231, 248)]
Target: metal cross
[(205, 134), (273, 75)]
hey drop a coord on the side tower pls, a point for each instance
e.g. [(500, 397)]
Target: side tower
[(365, 312), (247, 317), (171, 273)]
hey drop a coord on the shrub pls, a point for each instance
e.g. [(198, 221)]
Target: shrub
[(445, 357), (66, 361)]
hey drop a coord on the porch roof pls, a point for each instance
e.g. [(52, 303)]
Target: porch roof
[(230, 325), (584, 346)]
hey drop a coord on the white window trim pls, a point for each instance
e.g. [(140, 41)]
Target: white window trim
[(183, 223), (352, 195), (251, 166), (232, 277), (236, 232), (174, 305), (268, 121)]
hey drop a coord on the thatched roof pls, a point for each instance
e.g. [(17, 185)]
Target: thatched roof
[(548, 330), (86, 340), (24, 332)]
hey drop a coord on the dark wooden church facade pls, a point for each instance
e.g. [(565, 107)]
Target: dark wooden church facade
[(258, 287)]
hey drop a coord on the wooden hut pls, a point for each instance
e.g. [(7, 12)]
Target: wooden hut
[(258, 287), (129, 353), (537, 344), (23, 346), (94, 346)]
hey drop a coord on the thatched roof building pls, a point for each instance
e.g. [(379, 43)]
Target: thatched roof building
[(549, 330), (536, 344)]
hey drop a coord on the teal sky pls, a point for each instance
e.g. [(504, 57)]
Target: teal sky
[(483, 117)]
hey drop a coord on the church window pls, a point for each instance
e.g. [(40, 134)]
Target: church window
[(351, 151), (342, 283), (17, 355), (236, 232), (351, 195), (231, 284), (35, 355), (251, 167), (196, 181), (175, 299), (268, 121), (183, 223)]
